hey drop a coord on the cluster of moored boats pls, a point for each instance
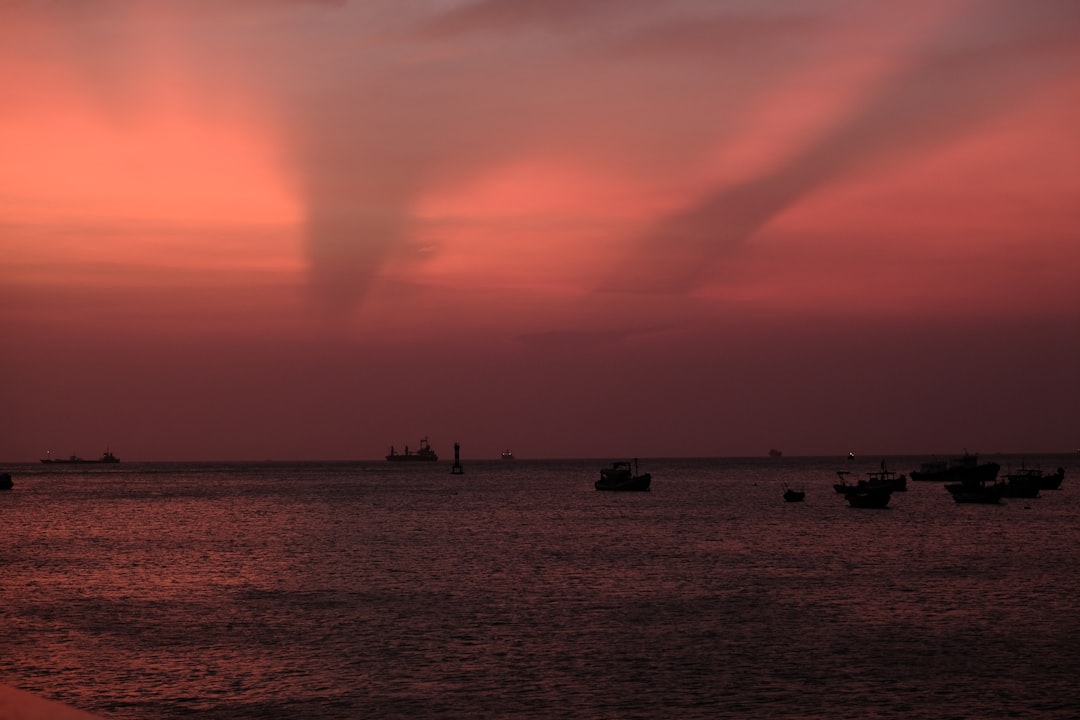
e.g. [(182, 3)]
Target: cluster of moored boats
[(986, 487), (966, 479)]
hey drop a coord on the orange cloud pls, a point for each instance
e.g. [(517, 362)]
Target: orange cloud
[(145, 190), (69, 165), (163, 155)]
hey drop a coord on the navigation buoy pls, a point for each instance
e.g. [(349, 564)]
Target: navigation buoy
[(457, 469)]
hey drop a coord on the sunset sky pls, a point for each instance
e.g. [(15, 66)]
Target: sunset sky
[(253, 229)]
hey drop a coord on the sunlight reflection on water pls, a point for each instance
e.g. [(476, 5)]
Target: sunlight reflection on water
[(352, 590)]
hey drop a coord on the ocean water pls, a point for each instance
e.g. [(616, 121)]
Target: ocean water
[(378, 590)]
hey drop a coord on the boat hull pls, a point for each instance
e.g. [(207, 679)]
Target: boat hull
[(874, 499), (1020, 486), (636, 483)]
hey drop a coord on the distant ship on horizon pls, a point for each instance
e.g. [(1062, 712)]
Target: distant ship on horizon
[(507, 455), (107, 457), (425, 453)]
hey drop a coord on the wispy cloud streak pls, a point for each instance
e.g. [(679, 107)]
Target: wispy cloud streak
[(963, 77)]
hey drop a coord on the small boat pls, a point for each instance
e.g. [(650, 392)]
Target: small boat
[(882, 480), (622, 476), (507, 455), (962, 469), (794, 495), (1027, 482), (775, 453), (6, 482), (425, 453), (107, 457)]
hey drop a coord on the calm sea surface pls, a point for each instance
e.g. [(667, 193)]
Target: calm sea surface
[(371, 590)]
